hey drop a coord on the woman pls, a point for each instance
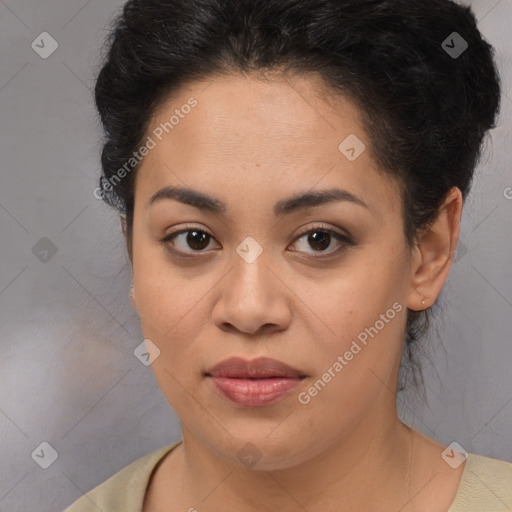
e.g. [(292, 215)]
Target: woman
[(291, 177)]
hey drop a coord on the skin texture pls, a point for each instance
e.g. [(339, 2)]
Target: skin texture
[(251, 142)]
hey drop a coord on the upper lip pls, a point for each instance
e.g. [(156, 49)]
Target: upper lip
[(262, 367)]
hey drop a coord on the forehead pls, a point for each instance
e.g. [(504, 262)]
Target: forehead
[(253, 114), (261, 137)]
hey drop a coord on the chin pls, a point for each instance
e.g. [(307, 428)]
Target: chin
[(264, 453)]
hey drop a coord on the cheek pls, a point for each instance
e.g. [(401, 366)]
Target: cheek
[(365, 315), (175, 322), (173, 308), (370, 338), (356, 366), (357, 297), (169, 308), (161, 296)]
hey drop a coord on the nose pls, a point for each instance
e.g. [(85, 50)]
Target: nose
[(252, 299)]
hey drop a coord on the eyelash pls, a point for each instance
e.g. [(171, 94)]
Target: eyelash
[(344, 240)]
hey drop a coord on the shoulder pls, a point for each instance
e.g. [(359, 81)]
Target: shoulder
[(125, 490), (486, 484)]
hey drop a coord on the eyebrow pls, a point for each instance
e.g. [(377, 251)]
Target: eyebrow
[(299, 201)]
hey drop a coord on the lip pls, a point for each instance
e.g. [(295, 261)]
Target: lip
[(254, 383), (260, 368), (255, 392)]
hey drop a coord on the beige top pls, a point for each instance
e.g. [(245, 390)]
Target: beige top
[(485, 486)]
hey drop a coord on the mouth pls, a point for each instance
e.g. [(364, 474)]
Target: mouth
[(255, 392), (260, 376), (256, 383), (260, 368)]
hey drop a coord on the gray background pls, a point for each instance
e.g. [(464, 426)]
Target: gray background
[(68, 331)]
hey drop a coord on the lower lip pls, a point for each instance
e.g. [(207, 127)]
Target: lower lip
[(255, 392)]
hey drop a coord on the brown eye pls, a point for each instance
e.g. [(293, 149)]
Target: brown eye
[(320, 239), (187, 239), (196, 240)]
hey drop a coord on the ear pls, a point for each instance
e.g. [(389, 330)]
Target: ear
[(434, 253)]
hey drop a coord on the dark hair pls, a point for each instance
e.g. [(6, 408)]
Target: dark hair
[(426, 107)]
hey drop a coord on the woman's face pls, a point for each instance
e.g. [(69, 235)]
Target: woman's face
[(333, 309)]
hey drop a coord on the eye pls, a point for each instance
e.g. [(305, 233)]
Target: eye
[(196, 239), (320, 238)]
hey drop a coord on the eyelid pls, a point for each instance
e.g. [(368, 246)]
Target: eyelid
[(322, 227)]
